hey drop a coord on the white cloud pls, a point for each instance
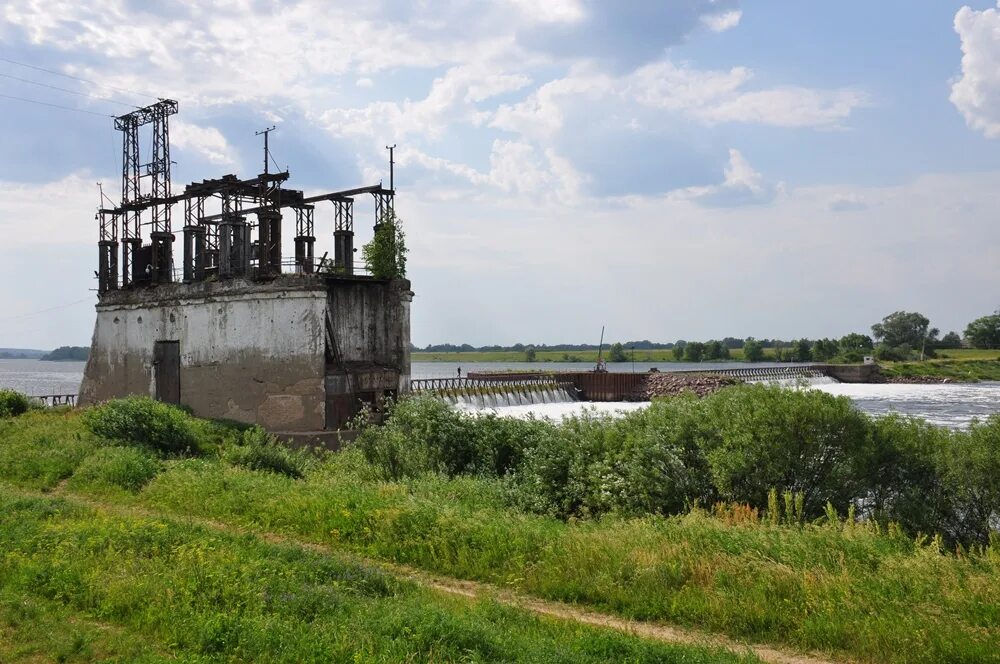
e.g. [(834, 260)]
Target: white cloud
[(516, 168), (541, 113), (715, 97), (724, 21), (48, 206), (742, 186), (364, 82), (976, 93), (550, 11), (709, 96), (206, 141), (452, 98)]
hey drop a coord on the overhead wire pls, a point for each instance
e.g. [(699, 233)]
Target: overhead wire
[(67, 90), (65, 108), (42, 311), (78, 78)]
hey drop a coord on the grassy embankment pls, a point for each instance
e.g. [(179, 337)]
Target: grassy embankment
[(86, 576), (854, 590), (960, 365)]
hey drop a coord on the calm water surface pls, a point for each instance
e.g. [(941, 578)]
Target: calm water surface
[(37, 378), (951, 405)]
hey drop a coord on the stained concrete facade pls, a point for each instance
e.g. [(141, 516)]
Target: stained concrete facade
[(295, 353)]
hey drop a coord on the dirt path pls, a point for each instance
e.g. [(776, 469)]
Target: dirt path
[(471, 589)]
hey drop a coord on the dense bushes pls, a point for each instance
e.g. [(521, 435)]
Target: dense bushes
[(425, 435), (13, 403), (256, 449), (141, 420), (737, 445)]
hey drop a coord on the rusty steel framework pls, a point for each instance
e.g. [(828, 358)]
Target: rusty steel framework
[(215, 245)]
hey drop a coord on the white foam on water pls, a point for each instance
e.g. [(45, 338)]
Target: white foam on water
[(558, 411), (951, 405)]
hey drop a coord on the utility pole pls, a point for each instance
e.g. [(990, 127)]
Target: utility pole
[(392, 163), (267, 154)]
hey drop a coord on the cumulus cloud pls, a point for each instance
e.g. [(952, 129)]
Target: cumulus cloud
[(976, 93), (452, 98), (742, 186), (715, 97), (205, 141), (515, 167), (48, 206), (711, 97), (724, 21), (622, 35), (551, 11)]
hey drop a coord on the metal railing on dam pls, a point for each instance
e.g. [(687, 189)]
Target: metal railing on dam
[(50, 400)]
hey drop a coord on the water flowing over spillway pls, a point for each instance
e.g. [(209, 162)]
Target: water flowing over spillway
[(505, 396)]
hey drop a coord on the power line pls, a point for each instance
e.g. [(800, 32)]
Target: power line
[(59, 73), (72, 92), (42, 311), (65, 108)]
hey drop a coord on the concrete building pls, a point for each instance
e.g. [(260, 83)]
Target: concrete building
[(241, 332), (297, 353)]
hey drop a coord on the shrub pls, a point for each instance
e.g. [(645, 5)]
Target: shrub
[(971, 472), (757, 437), (144, 421), (904, 473), (423, 435), (256, 449), (13, 403), (647, 462), (123, 467)]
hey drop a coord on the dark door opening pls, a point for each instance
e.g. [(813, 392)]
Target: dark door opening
[(167, 370)]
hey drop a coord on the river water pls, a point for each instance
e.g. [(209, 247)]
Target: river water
[(952, 405)]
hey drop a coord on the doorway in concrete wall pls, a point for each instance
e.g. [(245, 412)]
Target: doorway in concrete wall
[(167, 370)]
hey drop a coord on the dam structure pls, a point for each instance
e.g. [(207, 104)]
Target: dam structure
[(485, 389), (295, 344)]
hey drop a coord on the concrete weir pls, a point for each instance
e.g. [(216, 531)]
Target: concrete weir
[(296, 353)]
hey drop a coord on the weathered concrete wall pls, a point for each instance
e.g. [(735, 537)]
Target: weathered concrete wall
[(851, 373), (371, 324), (252, 352)]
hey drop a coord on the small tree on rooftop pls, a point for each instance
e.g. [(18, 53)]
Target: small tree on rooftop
[(385, 255)]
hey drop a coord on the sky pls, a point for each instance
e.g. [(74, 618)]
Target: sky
[(669, 169)]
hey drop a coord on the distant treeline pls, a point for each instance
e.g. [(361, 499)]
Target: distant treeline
[(67, 353), (901, 335), (20, 354), (645, 344)]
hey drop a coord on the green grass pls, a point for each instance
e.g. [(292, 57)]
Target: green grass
[(139, 589), (837, 587), (969, 354), (956, 370)]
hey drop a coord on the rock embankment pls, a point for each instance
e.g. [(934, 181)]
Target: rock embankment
[(916, 380), (671, 384)]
